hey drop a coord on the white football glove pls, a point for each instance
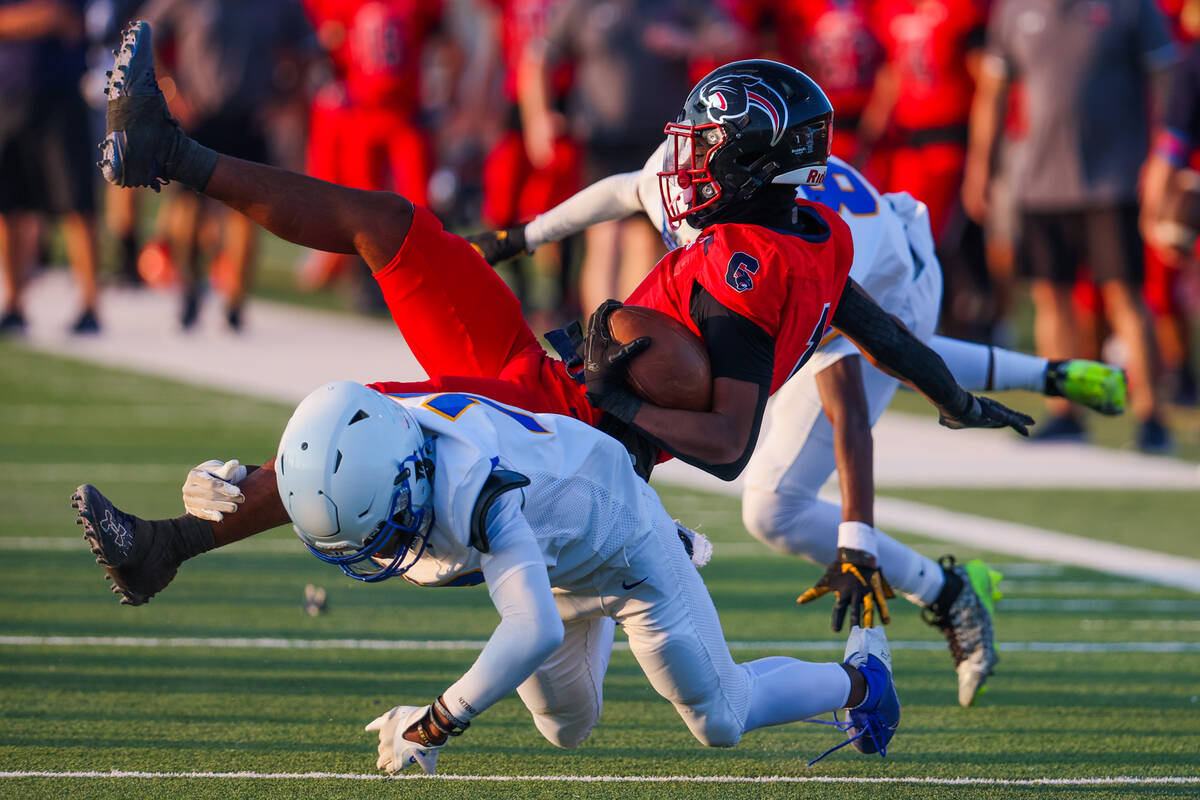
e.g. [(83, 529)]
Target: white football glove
[(211, 491), (396, 752)]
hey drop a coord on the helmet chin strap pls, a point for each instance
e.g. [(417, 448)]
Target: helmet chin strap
[(772, 205)]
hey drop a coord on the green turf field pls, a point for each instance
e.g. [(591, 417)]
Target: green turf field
[(1099, 677)]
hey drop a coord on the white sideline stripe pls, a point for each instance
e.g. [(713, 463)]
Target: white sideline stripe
[(1118, 780), (269, 643), (1040, 543), (993, 535)]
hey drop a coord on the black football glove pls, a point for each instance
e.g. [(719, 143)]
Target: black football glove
[(501, 245), (605, 362), (984, 412), (859, 587)]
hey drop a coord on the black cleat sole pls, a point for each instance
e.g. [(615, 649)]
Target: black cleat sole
[(88, 503)]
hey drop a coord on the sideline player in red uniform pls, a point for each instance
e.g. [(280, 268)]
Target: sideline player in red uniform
[(363, 128), (761, 297), (924, 93), (516, 188), (833, 42)]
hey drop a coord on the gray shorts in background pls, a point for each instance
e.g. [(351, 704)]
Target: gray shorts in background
[(46, 153), (1105, 239)]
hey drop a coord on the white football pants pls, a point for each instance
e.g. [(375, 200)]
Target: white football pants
[(675, 634)]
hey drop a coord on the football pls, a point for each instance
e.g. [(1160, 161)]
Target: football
[(674, 371)]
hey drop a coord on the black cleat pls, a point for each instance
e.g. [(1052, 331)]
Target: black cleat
[(138, 562), (12, 322), (87, 323), (138, 122), (143, 144)]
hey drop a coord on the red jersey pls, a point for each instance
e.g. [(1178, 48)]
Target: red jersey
[(830, 40), (926, 44), (786, 284), (522, 22), (376, 47)]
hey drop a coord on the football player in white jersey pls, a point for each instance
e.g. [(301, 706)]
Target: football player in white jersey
[(454, 489), (833, 401)]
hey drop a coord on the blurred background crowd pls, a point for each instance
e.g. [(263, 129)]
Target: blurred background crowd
[(1047, 138)]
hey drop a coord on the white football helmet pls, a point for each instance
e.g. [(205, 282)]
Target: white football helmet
[(355, 474)]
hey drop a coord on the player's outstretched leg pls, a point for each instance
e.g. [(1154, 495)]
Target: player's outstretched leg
[(963, 611), (140, 557), (987, 368)]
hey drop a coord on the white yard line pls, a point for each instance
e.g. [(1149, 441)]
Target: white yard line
[(271, 643), (1118, 780)]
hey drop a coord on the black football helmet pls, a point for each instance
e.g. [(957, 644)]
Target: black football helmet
[(746, 125)]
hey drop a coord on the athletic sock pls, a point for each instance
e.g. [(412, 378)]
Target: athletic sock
[(984, 368), (147, 124), (184, 536), (952, 588), (858, 687), (787, 690), (917, 577)]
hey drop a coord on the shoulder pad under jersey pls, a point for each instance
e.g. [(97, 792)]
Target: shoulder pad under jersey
[(497, 483)]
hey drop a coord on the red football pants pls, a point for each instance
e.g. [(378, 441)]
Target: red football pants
[(466, 329)]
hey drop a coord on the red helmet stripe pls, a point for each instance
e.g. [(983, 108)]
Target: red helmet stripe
[(771, 111)]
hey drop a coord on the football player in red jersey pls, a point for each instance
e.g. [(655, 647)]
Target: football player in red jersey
[(381, 51), (363, 129), (924, 94), (760, 288), (519, 180)]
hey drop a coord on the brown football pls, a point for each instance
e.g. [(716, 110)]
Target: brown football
[(673, 372)]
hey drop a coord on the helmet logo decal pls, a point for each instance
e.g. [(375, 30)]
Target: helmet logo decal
[(733, 96)]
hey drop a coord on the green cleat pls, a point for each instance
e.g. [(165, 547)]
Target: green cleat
[(964, 612), (1089, 383)]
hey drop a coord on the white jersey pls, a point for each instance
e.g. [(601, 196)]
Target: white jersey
[(584, 502), (880, 224)]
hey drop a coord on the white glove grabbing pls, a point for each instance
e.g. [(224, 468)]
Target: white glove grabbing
[(211, 491), (396, 752)]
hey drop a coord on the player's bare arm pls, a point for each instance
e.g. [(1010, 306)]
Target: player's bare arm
[(891, 347), (718, 441), (986, 120)]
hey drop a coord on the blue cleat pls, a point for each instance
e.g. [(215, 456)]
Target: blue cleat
[(873, 722)]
